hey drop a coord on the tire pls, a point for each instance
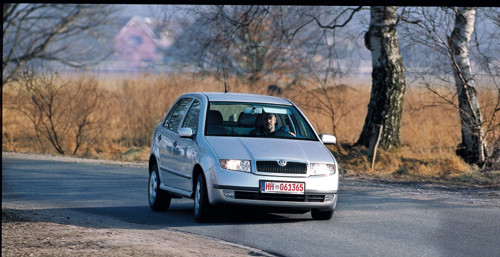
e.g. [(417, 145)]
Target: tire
[(318, 214), (159, 200), (202, 207)]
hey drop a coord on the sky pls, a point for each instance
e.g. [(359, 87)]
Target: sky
[(140, 10)]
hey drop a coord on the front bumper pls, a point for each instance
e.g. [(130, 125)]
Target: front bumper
[(234, 187)]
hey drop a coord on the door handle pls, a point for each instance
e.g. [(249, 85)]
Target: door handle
[(175, 143), (159, 137)]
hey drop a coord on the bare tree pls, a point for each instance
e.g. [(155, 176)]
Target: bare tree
[(329, 100), (250, 41), (84, 105), (62, 112), (448, 33), (470, 114), (72, 34), (328, 97), (388, 79)]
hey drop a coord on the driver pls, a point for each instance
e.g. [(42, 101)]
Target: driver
[(266, 125)]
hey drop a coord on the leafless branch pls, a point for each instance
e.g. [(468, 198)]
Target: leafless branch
[(335, 20), (54, 32)]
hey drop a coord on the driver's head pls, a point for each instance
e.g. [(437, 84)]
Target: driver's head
[(269, 121)]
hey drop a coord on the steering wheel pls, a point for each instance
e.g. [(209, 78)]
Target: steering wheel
[(281, 133)]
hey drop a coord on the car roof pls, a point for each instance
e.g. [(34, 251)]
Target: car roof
[(245, 98)]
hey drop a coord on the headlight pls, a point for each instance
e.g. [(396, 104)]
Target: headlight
[(238, 165), (322, 169)]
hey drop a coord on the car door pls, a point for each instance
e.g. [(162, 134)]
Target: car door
[(167, 140), (185, 150)]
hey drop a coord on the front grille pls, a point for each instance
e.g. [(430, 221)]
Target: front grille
[(274, 167), (279, 197)]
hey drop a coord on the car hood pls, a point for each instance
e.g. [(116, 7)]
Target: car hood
[(251, 148)]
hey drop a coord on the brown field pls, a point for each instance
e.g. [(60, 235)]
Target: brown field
[(130, 106)]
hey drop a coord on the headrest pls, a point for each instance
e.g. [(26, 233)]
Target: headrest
[(247, 119), (214, 117)]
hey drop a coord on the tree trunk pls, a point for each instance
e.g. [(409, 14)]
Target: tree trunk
[(473, 147), (388, 79)]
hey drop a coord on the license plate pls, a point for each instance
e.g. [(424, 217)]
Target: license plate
[(282, 187)]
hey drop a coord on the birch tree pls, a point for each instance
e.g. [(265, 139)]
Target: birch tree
[(444, 36), (473, 147), (388, 79)]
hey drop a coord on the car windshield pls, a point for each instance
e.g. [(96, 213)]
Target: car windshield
[(256, 120)]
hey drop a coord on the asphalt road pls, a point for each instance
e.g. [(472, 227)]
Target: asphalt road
[(368, 221)]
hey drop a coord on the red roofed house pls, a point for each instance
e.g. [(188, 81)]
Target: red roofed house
[(139, 42)]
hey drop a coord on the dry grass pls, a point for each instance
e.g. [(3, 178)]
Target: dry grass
[(133, 105)]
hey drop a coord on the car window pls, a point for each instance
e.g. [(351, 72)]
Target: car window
[(191, 120), (246, 119), (175, 115)]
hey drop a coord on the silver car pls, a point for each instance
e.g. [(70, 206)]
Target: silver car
[(244, 149)]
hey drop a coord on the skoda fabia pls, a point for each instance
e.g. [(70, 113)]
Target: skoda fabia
[(243, 149)]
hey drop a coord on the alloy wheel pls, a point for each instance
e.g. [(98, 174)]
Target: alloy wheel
[(153, 187), (197, 198)]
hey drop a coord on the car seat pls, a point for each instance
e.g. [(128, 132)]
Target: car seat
[(215, 123)]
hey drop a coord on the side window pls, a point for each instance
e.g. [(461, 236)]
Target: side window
[(192, 117), (174, 117)]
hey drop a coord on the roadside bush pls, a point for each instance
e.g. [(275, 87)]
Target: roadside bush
[(62, 113)]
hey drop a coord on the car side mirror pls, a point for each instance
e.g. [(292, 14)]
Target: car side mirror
[(328, 139), (186, 132)]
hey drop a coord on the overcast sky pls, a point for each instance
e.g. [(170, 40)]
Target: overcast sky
[(140, 10)]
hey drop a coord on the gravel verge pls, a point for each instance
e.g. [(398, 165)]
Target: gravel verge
[(31, 232)]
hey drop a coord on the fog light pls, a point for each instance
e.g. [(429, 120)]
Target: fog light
[(228, 194), (328, 198)]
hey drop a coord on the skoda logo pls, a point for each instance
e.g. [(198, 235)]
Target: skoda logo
[(282, 163)]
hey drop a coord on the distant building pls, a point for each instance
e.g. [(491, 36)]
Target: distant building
[(140, 44)]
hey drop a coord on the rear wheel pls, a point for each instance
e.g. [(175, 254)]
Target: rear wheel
[(159, 200), (202, 207), (319, 214)]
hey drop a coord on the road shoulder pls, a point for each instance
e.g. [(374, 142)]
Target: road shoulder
[(58, 232)]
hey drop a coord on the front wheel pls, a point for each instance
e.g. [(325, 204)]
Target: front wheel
[(159, 200), (202, 207), (319, 214)]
